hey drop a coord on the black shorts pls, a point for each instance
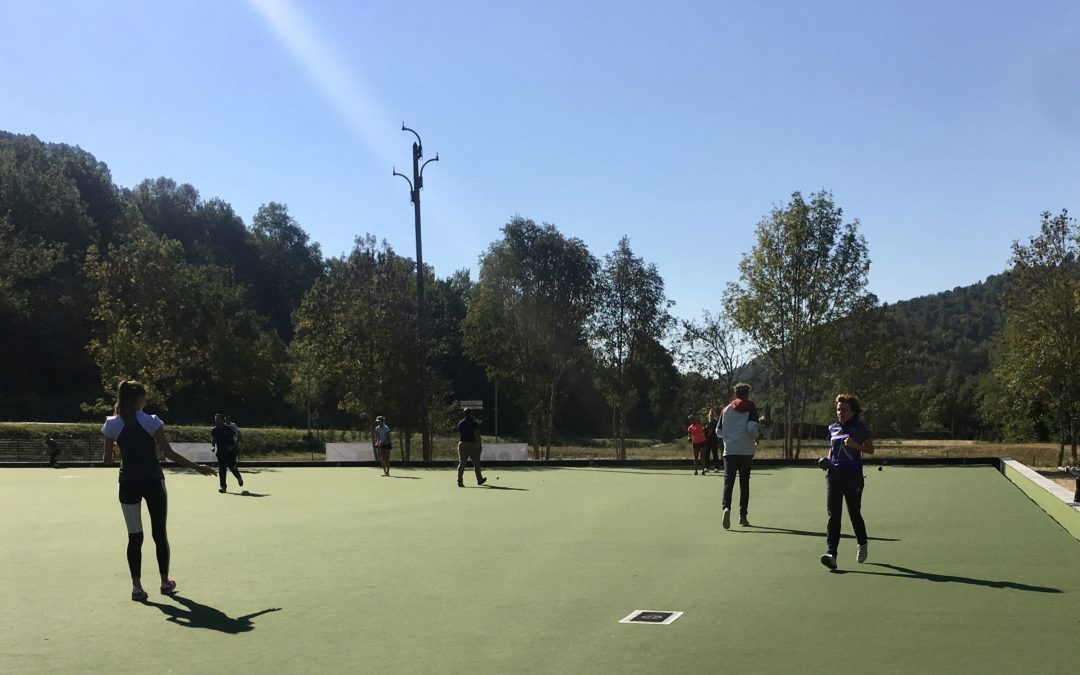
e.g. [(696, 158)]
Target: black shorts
[(135, 490), (386, 446)]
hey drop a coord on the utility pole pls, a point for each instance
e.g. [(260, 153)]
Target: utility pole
[(415, 186)]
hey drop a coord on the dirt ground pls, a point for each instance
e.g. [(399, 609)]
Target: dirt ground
[(1061, 478)]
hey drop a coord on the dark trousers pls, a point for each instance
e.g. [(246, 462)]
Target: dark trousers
[(227, 462), (712, 453), (844, 486), (469, 452), (737, 464)]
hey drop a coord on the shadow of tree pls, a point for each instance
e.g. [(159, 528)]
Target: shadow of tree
[(908, 573), (192, 614)]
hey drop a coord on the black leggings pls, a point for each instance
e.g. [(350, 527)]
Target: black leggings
[(132, 492)]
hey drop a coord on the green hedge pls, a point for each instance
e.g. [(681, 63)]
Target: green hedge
[(254, 440)]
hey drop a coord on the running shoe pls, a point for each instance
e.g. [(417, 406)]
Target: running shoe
[(829, 560), (863, 552), (168, 588), (481, 481), (138, 594), (727, 519)]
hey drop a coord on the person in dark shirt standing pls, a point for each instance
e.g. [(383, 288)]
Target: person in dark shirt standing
[(712, 442), (52, 448), (223, 439), (469, 447)]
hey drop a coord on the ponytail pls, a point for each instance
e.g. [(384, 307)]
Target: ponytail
[(127, 394)]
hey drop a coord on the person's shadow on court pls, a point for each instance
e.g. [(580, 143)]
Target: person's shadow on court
[(917, 574), (765, 529), (196, 615)]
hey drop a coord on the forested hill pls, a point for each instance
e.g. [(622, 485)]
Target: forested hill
[(940, 346), (947, 335)]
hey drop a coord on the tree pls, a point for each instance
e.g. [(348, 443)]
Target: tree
[(863, 357), (630, 311), (178, 326), (288, 265), (526, 319), (55, 201), (803, 273), (356, 340), (715, 350), (1041, 342)]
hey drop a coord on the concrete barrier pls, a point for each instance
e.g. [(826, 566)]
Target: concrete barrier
[(350, 452), (505, 452), (196, 452), (1051, 497)]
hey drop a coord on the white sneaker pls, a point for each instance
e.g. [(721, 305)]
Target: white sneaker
[(829, 561), (861, 555), (727, 519)]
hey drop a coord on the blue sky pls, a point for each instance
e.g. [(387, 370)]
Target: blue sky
[(944, 127)]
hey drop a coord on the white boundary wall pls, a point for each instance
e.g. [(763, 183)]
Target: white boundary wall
[(350, 452), (363, 452), (196, 452), (504, 452)]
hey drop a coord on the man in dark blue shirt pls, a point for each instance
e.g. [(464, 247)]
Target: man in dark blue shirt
[(223, 438), (469, 447)]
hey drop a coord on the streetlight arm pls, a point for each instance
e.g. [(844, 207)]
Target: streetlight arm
[(434, 159), (419, 143), (406, 179)]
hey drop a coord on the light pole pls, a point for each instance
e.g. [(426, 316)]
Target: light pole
[(415, 186)]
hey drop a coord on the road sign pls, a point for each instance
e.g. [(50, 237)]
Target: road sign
[(475, 405)]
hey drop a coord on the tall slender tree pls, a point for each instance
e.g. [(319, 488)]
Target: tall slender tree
[(631, 310), (805, 271)]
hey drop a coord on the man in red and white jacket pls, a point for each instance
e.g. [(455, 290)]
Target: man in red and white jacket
[(739, 429)]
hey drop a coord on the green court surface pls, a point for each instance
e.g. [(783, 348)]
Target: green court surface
[(340, 570)]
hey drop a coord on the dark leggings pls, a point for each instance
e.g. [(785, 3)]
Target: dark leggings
[(844, 486), (157, 503)]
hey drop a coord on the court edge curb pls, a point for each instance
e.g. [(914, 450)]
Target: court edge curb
[(1052, 498)]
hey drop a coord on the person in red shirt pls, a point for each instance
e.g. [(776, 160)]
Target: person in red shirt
[(696, 434)]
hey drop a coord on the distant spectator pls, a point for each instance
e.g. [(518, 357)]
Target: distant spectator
[(712, 441), (380, 440), (52, 448), (695, 433)]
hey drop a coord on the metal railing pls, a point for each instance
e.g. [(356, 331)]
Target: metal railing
[(34, 450)]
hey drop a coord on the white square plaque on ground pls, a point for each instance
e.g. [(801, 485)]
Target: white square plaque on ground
[(656, 617)]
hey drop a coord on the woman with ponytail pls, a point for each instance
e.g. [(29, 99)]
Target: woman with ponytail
[(137, 437)]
